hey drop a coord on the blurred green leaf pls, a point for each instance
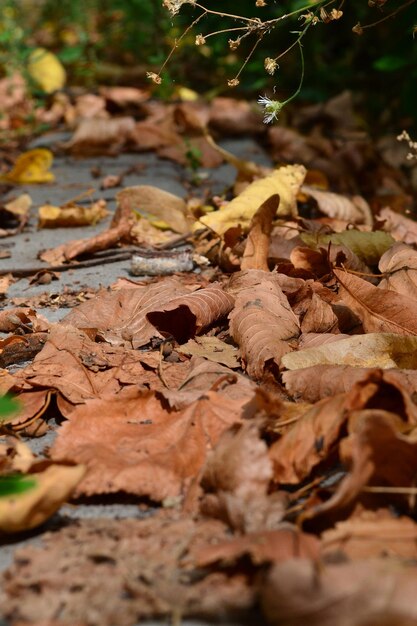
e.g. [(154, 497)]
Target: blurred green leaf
[(11, 485)]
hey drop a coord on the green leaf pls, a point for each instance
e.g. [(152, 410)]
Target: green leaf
[(367, 246), (390, 63), (11, 485), (8, 406)]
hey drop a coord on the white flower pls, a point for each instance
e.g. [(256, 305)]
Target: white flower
[(272, 108)]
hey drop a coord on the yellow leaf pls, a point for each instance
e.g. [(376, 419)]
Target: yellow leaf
[(285, 181), (186, 95), (46, 70), (368, 246), (71, 215), (384, 350), (31, 167), (52, 487)]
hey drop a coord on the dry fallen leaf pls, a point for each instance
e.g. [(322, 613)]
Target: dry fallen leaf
[(285, 182), (188, 315), (377, 592), (157, 206), (46, 70), (70, 215), (101, 136), (31, 167), (380, 310), (262, 322), (52, 486), (132, 444), (384, 350), (257, 245), (355, 210), (213, 349), (399, 266)]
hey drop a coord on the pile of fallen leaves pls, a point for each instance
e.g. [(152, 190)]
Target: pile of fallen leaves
[(265, 401)]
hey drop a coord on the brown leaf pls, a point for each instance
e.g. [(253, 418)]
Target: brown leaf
[(188, 315), (22, 318), (235, 117), (18, 348), (348, 594), (257, 245), (370, 534), (155, 204), (378, 454), (120, 316), (269, 546), (399, 264), (320, 381), (401, 228), (262, 321), (122, 571), (132, 444), (205, 376), (380, 310), (101, 136), (313, 436), (237, 477), (355, 210), (180, 150), (79, 368), (211, 348)]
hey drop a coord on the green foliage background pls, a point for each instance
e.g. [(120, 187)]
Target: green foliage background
[(92, 35)]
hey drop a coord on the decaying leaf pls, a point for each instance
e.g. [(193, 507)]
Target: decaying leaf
[(70, 215), (101, 136), (380, 592), (213, 349), (285, 182), (132, 444), (380, 310), (32, 167), (52, 486), (257, 245), (368, 246), (355, 210), (188, 315), (144, 568), (159, 207), (399, 266), (262, 322), (384, 350)]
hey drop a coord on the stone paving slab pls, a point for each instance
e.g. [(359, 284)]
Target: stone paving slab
[(73, 177)]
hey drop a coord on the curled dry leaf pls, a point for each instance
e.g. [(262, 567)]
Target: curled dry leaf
[(380, 592), (23, 318), (71, 215), (354, 210), (188, 315), (262, 322), (321, 381), (310, 440), (120, 316), (285, 182), (101, 136), (380, 310), (52, 486), (399, 266), (132, 444), (236, 477), (400, 227), (379, 455), (18, 348), (205, 376), (370, 534), (31, 167), (257, 245), (384, 350), (157, 206)]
